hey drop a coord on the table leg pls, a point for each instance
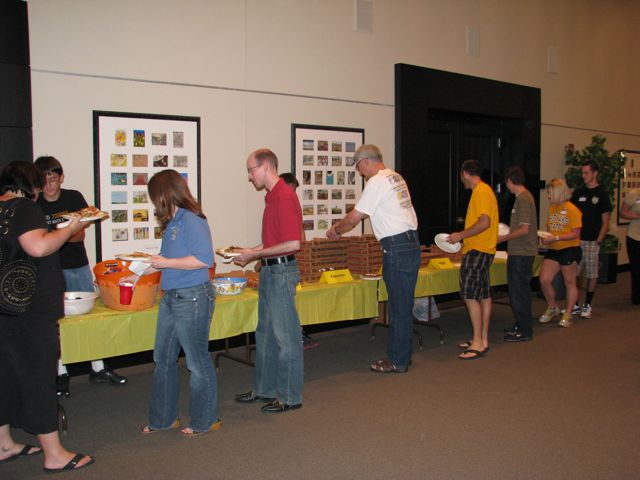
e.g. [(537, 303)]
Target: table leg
[(246, 360)]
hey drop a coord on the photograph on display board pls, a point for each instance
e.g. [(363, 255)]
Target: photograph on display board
[(322, 161), (129, 148)]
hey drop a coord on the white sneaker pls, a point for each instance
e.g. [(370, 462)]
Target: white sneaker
[(585, 311), (549, 313), (565, 321), (576, 309)]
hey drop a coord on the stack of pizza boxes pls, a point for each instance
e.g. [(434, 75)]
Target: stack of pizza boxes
[(319, 255), (454, 257), (364, 255)]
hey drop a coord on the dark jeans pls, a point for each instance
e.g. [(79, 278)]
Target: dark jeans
[(519, 281), (633, 250), (400, 264)]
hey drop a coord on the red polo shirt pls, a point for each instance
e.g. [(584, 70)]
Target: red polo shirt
[(282, 217)]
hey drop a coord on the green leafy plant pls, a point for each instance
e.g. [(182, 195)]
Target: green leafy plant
[(610, 169), (610, 244)]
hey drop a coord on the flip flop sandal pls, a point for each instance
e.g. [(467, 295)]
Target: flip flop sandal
[(147, 430), (22, 453), (72, 465), (196, 433), (466, 345), (476, 354)]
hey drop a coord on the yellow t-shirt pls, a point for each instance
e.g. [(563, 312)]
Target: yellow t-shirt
[(563, 218), (483, 201)]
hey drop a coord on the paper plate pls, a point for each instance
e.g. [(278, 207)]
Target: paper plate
[(224, 253), (371, 277), (63, 224), (543, 234), (443, 244), (132, 257), (93, 218), (503, 229)]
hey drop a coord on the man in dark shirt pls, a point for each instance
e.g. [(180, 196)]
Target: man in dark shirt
[(56, 202), (595, 206)]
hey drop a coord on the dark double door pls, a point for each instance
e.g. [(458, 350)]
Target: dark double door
[(439, 196), (445, 118)]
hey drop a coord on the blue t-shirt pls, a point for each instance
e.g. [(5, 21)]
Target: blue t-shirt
[(186, 235)]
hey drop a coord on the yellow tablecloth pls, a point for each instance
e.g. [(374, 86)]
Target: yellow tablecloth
[(104, 332), (438, 282)]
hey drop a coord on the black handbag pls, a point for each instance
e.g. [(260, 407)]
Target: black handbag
[(18, 270)]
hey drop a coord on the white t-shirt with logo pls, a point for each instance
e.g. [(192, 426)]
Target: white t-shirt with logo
[(387, 201)]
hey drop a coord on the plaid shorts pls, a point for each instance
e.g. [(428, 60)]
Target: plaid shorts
[(474, 275), (589, 262)]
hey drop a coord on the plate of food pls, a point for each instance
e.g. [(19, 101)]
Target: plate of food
[(87, 214), (371, 276), (442, 241), (134, 257), (543, 234), (503, 229), (229, 252)]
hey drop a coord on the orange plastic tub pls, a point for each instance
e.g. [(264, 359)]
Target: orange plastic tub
[(108, 275)]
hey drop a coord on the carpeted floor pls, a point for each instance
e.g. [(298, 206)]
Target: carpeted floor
[(564, 406)]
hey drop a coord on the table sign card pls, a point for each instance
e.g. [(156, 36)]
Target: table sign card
[(336, 276)]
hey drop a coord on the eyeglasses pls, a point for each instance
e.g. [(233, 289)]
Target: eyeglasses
[(355, 165), (251, 168)]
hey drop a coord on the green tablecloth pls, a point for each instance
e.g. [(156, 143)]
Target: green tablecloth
[(104, 332)]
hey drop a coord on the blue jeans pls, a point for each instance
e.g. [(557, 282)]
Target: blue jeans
[(400, 265), (279, 364), (78, 279), (519, 281), (184, 319)]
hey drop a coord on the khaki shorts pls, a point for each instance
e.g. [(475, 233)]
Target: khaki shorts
[(589, 262)]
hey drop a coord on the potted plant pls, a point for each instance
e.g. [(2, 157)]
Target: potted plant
[(610, 169)]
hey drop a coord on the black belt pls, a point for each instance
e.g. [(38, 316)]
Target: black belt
[(274, 261)]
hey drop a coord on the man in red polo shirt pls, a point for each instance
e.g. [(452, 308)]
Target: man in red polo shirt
[(279, 366)]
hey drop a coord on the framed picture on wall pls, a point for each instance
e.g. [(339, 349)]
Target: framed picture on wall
[(129, 148), (322, 161), (630, 180)]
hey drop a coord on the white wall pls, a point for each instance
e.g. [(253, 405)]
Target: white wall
[(248, 69)]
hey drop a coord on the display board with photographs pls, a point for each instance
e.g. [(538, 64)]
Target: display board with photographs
[(322, 161), (129, 148), (630, 180)]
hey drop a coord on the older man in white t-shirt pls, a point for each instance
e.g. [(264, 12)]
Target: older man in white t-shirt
[(387, 202)]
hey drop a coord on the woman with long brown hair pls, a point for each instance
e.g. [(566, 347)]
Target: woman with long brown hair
[(184, 317)]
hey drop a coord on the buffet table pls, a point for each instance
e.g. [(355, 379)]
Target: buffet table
[(105, 333)]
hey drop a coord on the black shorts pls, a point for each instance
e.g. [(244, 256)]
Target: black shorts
[(474, 275), (565, 256)]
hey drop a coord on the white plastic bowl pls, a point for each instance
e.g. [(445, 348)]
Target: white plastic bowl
[(229, 285), (79, 303)]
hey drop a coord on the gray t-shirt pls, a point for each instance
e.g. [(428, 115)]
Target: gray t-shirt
[(524, 211)]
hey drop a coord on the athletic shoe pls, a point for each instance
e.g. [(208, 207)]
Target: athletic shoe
[(106, 376), (549, 313), (576, 309), (585, 312), (517, 336), (565, 321)]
